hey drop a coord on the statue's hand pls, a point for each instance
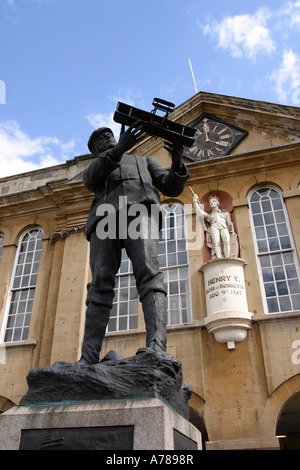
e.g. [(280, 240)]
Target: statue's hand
[(176, 150), (129, 138)]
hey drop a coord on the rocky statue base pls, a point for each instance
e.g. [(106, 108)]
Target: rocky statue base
[(148, 374)]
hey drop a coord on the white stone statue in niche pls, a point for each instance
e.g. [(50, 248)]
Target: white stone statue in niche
[(220, 235)]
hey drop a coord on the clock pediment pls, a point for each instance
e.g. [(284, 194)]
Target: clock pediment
[(214, 138)]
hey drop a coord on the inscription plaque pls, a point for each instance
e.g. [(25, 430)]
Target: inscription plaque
[(182, 442), (89, 438)]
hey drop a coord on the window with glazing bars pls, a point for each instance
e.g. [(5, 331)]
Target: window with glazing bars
[(124, 313), (278, 263), (173, 260), (23, 286)]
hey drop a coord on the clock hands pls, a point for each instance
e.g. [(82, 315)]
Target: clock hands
[(206, 131), (214, 138)]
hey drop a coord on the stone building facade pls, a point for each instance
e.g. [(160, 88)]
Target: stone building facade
[(246, 387)]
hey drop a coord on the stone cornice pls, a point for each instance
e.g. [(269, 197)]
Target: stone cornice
[(236, 165), (59, 194), (54, 196)]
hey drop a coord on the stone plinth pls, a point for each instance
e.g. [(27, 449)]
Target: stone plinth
[(142, 424)]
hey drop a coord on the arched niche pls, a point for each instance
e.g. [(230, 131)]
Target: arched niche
[(288, 424), (225, 200)]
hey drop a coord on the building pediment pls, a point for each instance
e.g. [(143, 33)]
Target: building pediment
[(265, 125)]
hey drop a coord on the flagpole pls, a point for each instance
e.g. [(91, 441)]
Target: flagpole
[(193, 75)]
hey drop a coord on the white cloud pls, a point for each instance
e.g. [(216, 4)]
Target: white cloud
[(291, 12), (130, 96), (287, 76), (243, 35), (20, 153), (104, 120)]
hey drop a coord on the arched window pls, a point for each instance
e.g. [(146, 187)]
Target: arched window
[(277, 259), (173, 260), (23, 284)]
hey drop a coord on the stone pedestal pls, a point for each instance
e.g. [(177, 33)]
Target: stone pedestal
[(228, 317), (140, 424)]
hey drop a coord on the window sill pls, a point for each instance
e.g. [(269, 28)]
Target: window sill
[(182, 326), (261, 317), (15, 344), (185, 326)]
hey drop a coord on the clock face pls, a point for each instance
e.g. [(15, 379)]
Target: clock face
[(213, 138)]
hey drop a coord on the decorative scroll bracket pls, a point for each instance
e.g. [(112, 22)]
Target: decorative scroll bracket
[(64, 233)]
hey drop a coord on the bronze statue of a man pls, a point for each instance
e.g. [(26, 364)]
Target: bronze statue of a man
[(112, 175)]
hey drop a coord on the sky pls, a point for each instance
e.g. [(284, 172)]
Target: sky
[(65, 64)]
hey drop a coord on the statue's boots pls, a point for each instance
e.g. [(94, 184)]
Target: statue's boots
[(155, 312), (97, 318)]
